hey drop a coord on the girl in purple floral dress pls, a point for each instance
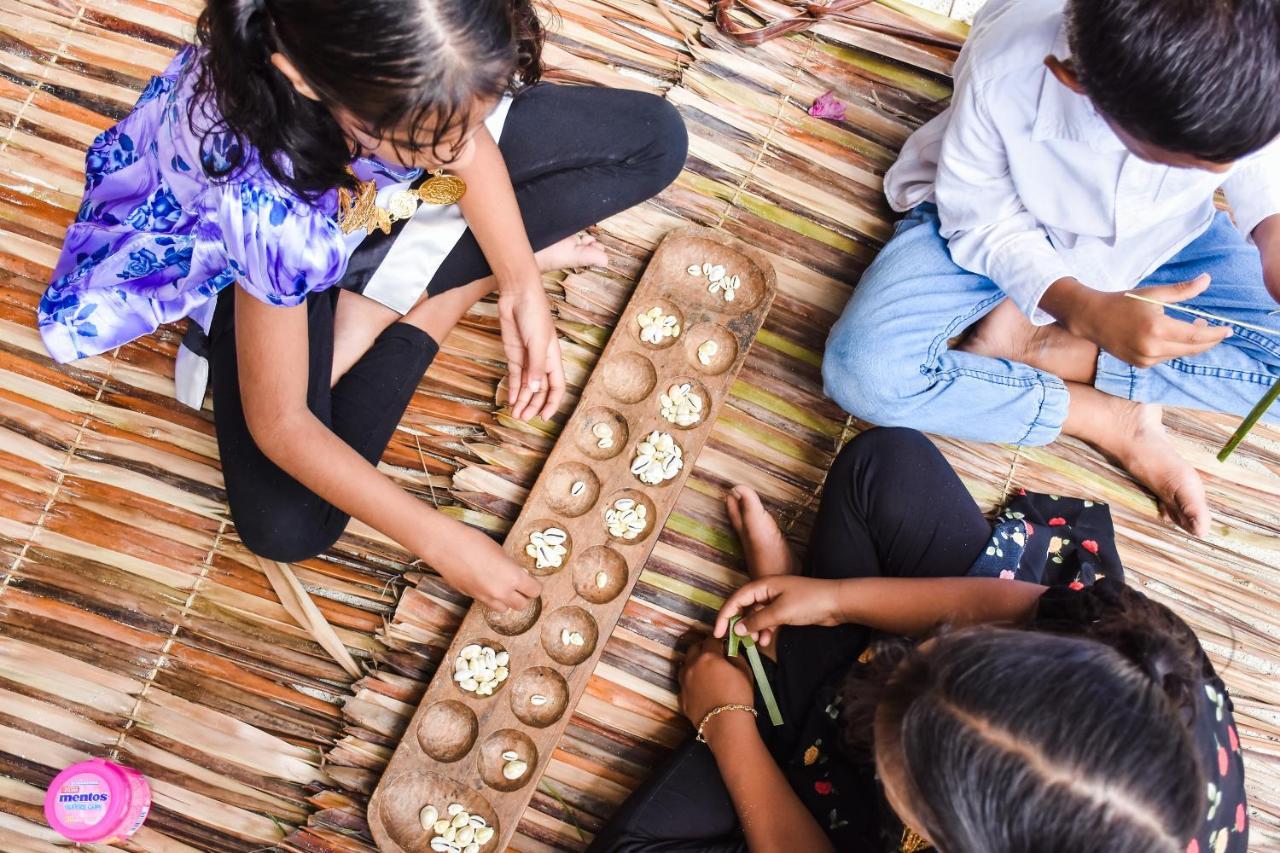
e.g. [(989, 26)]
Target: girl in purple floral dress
[(325, 189)]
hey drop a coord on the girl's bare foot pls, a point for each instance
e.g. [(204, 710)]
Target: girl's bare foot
[(1007, 333), (576, 250), (1133, 435), (766, 550)]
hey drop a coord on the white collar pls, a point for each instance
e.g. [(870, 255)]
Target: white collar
[(1064, 114)]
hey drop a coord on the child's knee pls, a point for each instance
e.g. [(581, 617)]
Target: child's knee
[(278, 535), (861, 374), (668, 145)]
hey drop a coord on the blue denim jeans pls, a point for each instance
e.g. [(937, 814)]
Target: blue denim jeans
[(888, 360)]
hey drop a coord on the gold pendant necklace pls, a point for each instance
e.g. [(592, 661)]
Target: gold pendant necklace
[(360, 209)]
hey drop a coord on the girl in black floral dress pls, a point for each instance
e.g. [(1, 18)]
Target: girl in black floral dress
[(1058, 712)]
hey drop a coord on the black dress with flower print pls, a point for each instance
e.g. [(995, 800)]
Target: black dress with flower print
[(1064, 543)]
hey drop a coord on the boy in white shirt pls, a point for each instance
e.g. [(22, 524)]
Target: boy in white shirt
[(1079, 159)]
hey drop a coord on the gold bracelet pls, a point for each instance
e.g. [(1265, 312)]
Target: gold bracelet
[(721, 710)]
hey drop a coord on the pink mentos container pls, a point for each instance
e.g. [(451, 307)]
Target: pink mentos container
[(97, 801)]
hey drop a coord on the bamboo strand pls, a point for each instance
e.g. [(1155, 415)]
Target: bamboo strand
[(1186, 309)]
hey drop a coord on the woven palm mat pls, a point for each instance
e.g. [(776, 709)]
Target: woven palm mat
[(134, 625)]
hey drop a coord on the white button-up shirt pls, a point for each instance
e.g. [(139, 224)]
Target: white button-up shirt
[(1031, 183)]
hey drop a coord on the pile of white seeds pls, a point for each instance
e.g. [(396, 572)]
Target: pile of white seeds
[(718, 280), (658, 459), (457, 831), (604, 435), (681, 405), (706, 351), (480, 669), (655, 326), (626, 519), (547, 548), (513, 768)]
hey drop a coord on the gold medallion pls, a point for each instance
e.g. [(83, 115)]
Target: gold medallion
[(442, 189), (360, 210)]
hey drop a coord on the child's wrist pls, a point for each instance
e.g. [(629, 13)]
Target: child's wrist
[(1067, 300)]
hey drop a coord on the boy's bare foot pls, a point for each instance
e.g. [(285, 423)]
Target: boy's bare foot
[(1007, 333), (576, 250), (766, 550), (1133, 435)]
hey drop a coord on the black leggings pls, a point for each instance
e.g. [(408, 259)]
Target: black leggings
[(892, 507), (576, 155)]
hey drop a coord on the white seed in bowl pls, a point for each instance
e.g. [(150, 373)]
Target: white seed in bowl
[(537, 700), (428, 816), (604, 435), (476, 669), (658, 458), (707, 351), (484, 834), (510, 755), (576, 639), (602, 580), (681, 405), (547, 548), (441, 826), (513, 770), (577, 488), (656, 326)]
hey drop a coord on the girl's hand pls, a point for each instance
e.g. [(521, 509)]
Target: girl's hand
[(708, 680), (771, 602), (535, 383), (477, 566)]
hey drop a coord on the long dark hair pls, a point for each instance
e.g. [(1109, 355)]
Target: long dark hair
[(414, 67), (1017, 741)]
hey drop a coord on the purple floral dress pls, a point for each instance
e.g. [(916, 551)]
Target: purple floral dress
[(156, 238)]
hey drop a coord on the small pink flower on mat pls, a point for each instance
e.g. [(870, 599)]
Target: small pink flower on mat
[(1006, 575), (1090, 546), (827, 106)]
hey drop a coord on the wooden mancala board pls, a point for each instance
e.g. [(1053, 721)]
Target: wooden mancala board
[(459, 741)]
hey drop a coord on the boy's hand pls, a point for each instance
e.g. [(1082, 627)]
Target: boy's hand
[(1135, 332), (769, 603)]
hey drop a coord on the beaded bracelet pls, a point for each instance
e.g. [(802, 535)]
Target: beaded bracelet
[(721, 710)]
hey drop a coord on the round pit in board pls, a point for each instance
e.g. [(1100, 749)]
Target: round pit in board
[(658, 459), (544, 546), (601, 434), (718, 278), (720, 357), (599, 574), (572, 488), (447, 730), (659, 323), (509, 623), (628, 516), (402, 801), (480, 668), (569, 635), (507, 760), (628, 377), (539, 696), (684, 403)]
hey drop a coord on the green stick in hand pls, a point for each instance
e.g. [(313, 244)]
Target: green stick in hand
[(1251, 421), (757, 669)]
